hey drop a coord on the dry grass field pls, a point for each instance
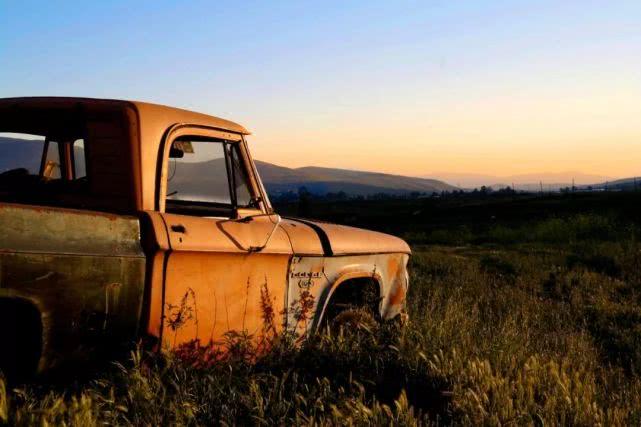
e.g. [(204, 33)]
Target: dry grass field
[(535, 322)]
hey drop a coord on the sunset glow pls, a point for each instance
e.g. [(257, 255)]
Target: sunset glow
[(472, 88)]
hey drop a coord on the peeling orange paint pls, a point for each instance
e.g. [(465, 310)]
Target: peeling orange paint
[(181, 278)]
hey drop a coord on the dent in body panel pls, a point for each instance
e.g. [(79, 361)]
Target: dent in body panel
[(83, 271), (81, 299), (318, 277)]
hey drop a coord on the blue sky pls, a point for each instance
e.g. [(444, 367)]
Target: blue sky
[(407, 87)]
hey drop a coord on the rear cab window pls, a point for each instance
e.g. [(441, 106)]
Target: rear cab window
[(66, 156), (38, 164)]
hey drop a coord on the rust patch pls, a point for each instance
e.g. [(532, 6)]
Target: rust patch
[(397, 295), (393, 265)]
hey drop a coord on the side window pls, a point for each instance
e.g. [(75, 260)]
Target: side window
[(240, 179), (45, 169), (52, 167), (197, 172), (206, 177), (79, 162)]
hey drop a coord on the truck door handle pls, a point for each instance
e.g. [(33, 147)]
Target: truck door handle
[(178, 228)]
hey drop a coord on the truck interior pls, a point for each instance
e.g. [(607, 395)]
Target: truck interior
[(45, 168), (65, 156)]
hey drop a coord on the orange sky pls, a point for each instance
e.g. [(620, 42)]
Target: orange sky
[(593, 129), (408, 87)]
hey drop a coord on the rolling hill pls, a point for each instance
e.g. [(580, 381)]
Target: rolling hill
[(277, 179), (524, 182), (625, 184), (319, 180)]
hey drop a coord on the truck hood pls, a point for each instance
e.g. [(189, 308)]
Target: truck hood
[(321, 238)]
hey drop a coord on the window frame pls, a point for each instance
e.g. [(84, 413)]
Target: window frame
[(45, 151), (72, 155), (66, 156), (208, 209)]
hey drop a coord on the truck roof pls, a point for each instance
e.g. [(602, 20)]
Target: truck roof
[(161, 115), (144, 126)]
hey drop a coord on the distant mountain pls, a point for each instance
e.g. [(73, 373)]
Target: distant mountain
[(627, 184), (526, 182), (319, 180), (277, 179), (20, 153)]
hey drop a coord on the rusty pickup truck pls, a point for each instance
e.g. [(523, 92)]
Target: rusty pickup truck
[(123, 220)]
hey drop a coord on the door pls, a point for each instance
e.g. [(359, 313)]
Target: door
[(226, 270)]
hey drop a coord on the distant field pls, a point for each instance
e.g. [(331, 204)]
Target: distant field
[(523, 311), (475, 212)]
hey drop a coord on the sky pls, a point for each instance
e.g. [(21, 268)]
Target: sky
[(407, 87)]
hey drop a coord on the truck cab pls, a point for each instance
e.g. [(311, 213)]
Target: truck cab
[(124, 220)]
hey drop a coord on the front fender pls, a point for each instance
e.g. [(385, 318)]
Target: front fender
[(313, 280)]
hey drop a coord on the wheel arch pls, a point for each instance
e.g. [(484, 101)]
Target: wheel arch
[(27, 341), (354, 280)]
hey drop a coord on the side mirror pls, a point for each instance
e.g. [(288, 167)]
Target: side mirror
[(269, 236), (176, 153), (272, 221)]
